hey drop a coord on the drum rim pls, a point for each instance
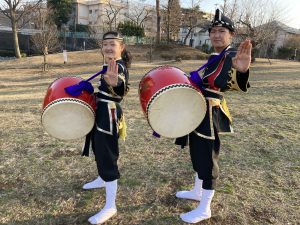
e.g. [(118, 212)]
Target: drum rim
[(74, 100), (160, 67)]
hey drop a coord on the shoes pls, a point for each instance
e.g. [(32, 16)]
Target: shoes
[(203, 211), (195, 193), (103, 216), (97, 183)]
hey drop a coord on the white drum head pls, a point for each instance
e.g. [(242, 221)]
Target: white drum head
[(68, 119), (176, 110)]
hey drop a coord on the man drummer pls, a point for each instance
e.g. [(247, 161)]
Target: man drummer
[(229, 72)]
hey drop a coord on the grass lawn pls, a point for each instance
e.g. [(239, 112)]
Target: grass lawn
[(41, 177)]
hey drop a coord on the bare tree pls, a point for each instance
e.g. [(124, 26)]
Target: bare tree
[(139, 13), (191, 18), (111, 14), (97, 32), (172, 19), (224, 7), (16, 11), (255, 21), (46, 39), (232, 9), (293, 42)]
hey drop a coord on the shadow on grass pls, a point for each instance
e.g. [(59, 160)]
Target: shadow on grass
[(31, 101), (74, 219), (30, 88)]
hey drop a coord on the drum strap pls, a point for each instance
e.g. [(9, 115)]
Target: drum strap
[(75, 90), (194, 76)]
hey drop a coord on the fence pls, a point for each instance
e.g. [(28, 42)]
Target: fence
[(127, 39), (71, 41)]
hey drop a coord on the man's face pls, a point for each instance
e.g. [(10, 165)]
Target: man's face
[(220, 37)]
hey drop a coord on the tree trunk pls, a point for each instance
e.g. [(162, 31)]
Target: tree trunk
[(187, 35), (45, 62), (158, 36), (15, 37), (151, 49), (168, 22), (45, 51)]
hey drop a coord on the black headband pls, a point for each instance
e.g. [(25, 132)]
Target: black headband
[(111, 36)]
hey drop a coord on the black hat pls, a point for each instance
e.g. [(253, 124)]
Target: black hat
[(221, 21)]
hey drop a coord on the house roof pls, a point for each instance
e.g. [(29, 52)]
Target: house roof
[(285, 28)]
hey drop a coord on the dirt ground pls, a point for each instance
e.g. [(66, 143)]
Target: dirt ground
[(41, 177)]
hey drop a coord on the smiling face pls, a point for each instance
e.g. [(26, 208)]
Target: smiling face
[(220, 38), (112, 49)]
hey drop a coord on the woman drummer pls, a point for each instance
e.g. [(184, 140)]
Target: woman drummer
[(230, 71), (110, 124)]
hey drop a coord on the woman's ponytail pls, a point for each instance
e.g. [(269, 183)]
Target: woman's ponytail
[(127, 58)]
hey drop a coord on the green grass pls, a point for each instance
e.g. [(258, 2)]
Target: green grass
[(41, 177)]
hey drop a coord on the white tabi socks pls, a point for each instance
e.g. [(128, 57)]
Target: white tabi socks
[(202, 212), (97, 183), (195, 193), (110, 208)]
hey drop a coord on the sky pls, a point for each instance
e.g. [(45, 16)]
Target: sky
[(290, 7)]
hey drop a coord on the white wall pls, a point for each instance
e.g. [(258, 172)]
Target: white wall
[(91, 12), (199, 37), (83, 14)]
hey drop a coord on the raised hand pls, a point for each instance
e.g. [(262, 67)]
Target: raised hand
[(241, 62), (111, 75)]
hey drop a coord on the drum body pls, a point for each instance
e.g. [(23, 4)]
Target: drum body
[(64, 116), (172, 104)]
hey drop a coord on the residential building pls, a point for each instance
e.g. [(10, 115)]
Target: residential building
[(283, 33), (196, 34), (100, 15), (268, 38)]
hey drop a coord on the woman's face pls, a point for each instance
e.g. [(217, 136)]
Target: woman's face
[(220, 38), (112, 49)]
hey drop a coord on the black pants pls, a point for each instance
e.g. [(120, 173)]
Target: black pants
[(106, 150), (205, 156), (105, 145)]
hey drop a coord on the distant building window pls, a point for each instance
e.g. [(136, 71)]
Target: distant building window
[(200, 42), (90, 11), (96, 11), (184, 30)]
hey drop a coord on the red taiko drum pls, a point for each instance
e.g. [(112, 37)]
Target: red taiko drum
[(67, 117), (172, 104)]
